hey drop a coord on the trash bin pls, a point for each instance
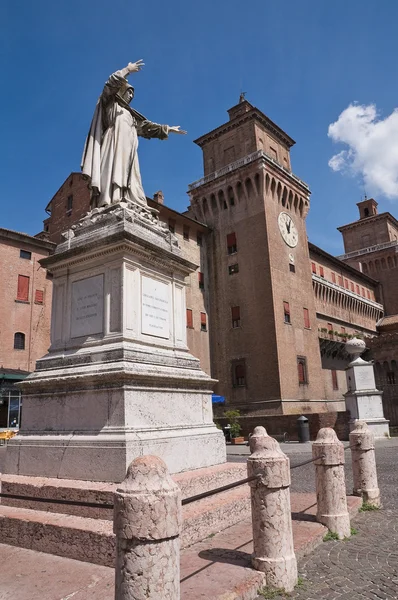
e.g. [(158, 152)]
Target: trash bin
[(227, 432), (303, 429)]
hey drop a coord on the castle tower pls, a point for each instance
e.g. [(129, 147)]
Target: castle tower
[(264, 338), (371, 245)]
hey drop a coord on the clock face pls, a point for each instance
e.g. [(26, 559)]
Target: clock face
[(288, 229)]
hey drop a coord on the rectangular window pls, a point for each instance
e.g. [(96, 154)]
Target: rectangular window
[(340, 281), (201, 280), (39, 297), (335, 383), (203, 321), (231, 243), (334, 277), (363, 291), (69, 203), (352, 287), (357, 289), (330, 328), (199, 239), (343, 330), (292, 268), (235, 310), (172, 225), (23, 288), (25, 254), (186, 233), (189, 318), (346, 283), (368, 294), (306, 318), (313, 267), (321, 272), (239, 375), (286, 312), (302, 370), (233, 269)]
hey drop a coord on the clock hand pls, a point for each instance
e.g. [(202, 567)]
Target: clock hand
[(288, 226)]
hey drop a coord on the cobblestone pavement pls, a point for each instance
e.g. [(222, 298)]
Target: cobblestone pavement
[(366, 566)]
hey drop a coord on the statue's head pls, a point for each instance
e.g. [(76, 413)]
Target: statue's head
[(128, 94)]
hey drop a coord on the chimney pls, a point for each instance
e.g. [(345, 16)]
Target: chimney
[(158, 197)]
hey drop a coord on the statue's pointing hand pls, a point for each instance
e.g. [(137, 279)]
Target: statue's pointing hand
[(136, 66), (176, 129)]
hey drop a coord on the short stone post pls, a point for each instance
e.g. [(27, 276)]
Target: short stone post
[(147, 523), (364, 471), (330, 483), (271, 512)]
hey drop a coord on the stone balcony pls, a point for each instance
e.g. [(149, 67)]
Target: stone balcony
[(333, 294)]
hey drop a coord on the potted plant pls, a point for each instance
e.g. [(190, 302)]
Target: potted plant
[(235, 428)]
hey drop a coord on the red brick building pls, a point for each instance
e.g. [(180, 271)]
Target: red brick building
[(25, 315), (272, 296)]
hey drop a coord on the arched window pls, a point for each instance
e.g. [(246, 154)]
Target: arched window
[(19, 341)]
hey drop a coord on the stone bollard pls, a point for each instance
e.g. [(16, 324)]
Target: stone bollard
[(147, 523), (364, 471), (271, 512), (330, 483)]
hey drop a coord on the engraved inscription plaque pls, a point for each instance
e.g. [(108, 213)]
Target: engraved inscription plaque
[(87, 316), (364, 378), (155, 308)]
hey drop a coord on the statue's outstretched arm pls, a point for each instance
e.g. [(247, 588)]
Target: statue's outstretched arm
[(132, 68), (117, 79)]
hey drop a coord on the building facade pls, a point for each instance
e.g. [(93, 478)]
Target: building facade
[(268, 313), (25, 315), (272, 296)]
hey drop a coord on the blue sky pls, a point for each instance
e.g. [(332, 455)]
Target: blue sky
[(301, 61)]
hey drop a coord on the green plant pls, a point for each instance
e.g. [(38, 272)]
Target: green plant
[(233, 419), (300, 581), (330, 536), (367, 506), (354, 531), (217, 425)]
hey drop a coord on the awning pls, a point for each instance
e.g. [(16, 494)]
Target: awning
[(217, 399)]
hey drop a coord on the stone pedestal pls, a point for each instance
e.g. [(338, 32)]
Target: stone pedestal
[(363, 400), (118, 381)]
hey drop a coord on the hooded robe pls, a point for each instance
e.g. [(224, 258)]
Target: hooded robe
[(110, 153)]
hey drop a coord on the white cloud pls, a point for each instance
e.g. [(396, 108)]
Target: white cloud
[(372, 148)]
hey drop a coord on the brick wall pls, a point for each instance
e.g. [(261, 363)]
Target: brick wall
[(28, 317), (61, 218)]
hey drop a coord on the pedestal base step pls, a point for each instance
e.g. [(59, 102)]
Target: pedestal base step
[(191, 483), (92, 540)]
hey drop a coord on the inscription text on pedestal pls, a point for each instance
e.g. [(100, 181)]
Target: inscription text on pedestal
[(87, 317), (155, 308)]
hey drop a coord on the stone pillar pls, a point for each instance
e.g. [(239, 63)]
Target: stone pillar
[(271, 512), (364, 464), (362, 399), (330, 483), (147, 523)]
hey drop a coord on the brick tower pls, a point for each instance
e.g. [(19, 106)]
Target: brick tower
[(264, 337), (371, 245)]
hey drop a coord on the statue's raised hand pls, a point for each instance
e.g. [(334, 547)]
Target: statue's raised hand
[(176, 129), (136, 66)]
